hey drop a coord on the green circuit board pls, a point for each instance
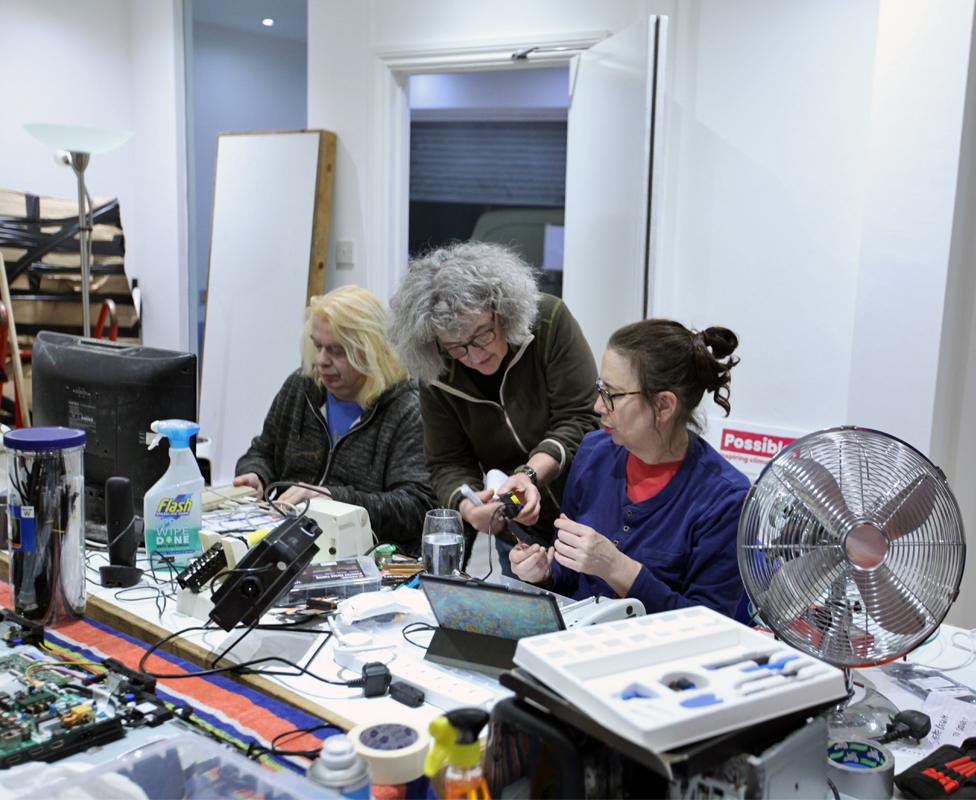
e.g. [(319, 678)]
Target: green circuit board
[(46, 714)]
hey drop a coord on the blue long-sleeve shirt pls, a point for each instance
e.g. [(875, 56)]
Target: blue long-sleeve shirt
[(684, 537)]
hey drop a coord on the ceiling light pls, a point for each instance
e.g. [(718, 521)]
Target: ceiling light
[(267, 22)]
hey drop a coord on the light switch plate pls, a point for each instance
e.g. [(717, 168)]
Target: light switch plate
[(345, 253)]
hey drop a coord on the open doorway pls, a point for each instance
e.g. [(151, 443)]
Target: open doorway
[(488, 162)]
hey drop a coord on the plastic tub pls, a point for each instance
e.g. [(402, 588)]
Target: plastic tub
[(46, 512), (185, 766)]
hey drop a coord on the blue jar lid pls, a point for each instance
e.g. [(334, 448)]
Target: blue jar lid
[(33, 440)]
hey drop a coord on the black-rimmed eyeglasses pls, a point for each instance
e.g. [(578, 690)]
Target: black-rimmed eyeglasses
[(607, 396), (481, 339)]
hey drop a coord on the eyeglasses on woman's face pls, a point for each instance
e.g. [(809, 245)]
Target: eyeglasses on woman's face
[(481, 339), (607, 396)]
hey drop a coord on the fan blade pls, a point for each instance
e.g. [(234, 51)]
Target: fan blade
[(816, 487), (799, 583), (889, 602), (836, 645), (909, 509)]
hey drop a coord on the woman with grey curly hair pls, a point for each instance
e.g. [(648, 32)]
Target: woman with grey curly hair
[(507, 382)]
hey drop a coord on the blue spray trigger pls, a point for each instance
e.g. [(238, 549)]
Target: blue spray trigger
[(178, 431)]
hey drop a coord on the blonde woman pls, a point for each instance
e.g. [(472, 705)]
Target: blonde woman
[(348, 420)]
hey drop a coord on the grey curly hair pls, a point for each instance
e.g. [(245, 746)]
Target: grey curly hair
[(445, 287)]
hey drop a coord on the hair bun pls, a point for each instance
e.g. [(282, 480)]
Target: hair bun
[(721, 341)]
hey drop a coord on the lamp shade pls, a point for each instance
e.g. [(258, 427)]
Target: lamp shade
[(77, 138)]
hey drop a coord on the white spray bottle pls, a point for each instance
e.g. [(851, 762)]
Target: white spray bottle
[(171, 508)]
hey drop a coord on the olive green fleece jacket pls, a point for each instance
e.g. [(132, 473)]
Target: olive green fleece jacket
[(547, 396)]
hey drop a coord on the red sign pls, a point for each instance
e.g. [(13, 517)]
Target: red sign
[(748, 443)]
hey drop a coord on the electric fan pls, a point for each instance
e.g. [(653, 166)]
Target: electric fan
[(851, 548)]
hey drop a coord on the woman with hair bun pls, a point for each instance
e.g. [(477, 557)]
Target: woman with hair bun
[(650, 509)]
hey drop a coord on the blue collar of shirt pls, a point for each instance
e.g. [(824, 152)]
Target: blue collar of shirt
[(675, 485)]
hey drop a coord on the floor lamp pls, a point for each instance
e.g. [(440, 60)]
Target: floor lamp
[(74, 145)]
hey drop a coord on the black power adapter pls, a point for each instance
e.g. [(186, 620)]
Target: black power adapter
[(375, 681), (407, 694)]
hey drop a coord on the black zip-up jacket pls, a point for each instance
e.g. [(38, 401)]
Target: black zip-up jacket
[(378, 464)]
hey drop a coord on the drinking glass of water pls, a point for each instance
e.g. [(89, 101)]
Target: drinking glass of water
[(443, 542)]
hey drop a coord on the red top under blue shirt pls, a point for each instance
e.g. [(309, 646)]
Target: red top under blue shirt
[(684, 536)]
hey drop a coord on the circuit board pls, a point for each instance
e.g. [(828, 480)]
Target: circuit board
[(47, 713)]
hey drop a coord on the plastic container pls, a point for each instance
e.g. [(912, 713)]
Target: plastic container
[(172, 508), (183, 766), (46, 515), (342, 578), (341, 769)]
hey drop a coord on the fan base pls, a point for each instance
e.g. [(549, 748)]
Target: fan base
[(864, 715)]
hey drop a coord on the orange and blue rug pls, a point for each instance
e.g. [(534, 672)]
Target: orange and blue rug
[(227, 710)]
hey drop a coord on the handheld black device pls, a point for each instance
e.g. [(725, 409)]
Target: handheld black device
[(265, 572), (511, 506)]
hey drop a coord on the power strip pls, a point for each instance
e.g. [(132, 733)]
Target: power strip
[(442, 689)]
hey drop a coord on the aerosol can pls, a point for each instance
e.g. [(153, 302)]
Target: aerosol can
[(172, 506)]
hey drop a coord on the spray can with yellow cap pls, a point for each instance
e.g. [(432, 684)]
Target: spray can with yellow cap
[(454, 761)]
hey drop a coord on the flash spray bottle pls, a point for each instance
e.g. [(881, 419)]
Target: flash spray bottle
[(171, 508), (454, 760)]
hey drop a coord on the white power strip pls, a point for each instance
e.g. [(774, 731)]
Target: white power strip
[(443, 689), (669, 679)]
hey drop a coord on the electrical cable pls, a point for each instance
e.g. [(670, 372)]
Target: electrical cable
[(276, 750), (491, 541), (308, 500), (954, 641), (245, 667), (414, 627), (232, 570)]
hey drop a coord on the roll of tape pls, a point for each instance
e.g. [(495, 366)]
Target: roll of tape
[(395, 752), (861, 768)]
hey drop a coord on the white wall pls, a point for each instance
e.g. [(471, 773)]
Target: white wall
[(762, 202), (344, 36), (954, 426), (241, 81), (113, 64), (156, 237), (812, 160)]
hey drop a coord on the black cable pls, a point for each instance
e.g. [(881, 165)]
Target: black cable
[(159, 598), (232, 570), (244, 668), (414, 627), (491, 541), (276, 750), (308, 500)]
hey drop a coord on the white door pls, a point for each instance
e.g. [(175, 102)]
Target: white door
[(265, 212), (615, 108)]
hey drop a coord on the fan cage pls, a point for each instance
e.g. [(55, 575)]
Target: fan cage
[(795, 546)]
